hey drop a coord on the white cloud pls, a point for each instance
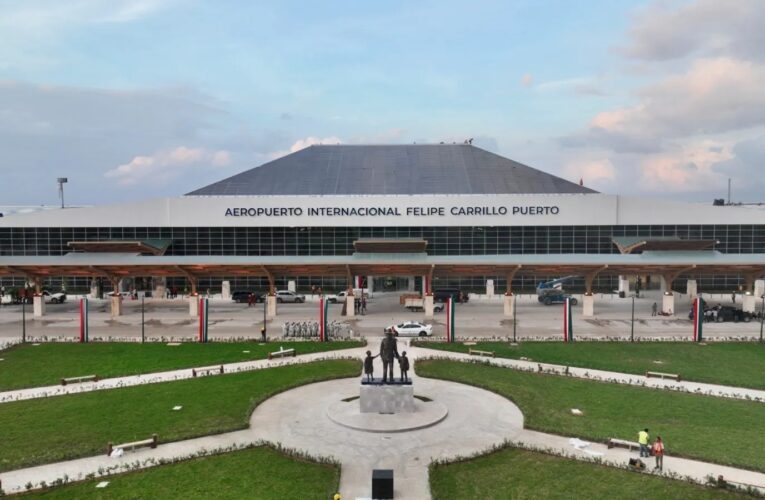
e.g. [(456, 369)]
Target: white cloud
[(714, 96), (597, 174), (690, 168), (165, 166), (302, 144), (672, 30)]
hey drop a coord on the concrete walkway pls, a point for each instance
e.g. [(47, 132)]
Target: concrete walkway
[(477, 420), (415, 352)]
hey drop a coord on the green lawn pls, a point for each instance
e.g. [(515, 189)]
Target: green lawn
[(521, 474), (738, 364), (65, 427), (253, 473), (704, 427), (45, 364)]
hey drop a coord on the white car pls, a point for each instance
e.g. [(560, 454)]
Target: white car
[(287, 296), (411, 329), (54, 298)]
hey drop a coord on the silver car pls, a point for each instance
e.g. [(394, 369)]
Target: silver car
[(287, 296)]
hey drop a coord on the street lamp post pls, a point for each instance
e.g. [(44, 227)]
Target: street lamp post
[(24, 320), (263, 330), (762, 316), (632, 323), (515, 317), (143, 330), (61, 181)]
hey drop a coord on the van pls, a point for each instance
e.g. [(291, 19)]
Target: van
[(442, 294)]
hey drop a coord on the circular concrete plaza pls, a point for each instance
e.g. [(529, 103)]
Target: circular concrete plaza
[(460, 420)]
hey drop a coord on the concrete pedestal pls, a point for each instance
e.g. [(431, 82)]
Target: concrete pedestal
[(509, 305), (748, 303), (271, 306), (668, 304), (759, 288), (427, 302), (225, 290), (38, 306), (116, 305), (291, 286), (194, 306), (350, 306), (588, 305), (490, 288), (93, 289), (624, 285), (692, 289), (386, 399)]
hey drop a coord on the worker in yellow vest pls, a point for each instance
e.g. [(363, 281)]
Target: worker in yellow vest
[(643, 442)]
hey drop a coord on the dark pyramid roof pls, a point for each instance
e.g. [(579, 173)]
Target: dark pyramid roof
[(391, 169)]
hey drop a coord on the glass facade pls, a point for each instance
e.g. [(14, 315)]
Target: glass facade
[(297, 241)]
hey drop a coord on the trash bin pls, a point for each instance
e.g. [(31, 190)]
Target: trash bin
[(622, 294)]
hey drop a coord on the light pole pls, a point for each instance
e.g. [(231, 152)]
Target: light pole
[(263, 330), (762, 316), (632, 324), (24, 320), (515, 318), (143, 331), (61, 181)]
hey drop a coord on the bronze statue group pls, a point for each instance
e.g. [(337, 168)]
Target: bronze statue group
[(388, 352)]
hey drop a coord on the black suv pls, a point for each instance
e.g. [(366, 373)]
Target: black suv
[(442, 294), (243, 297)]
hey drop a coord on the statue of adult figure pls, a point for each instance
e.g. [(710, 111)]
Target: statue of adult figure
[(388, 351)]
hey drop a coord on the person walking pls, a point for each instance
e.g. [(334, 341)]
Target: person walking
[(643, 442), (654, 309), (363, 304), (733, 297), (658, 452)]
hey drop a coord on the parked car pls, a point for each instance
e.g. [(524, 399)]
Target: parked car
[(54, 298), (418, 305), (720, 313), (340, 297), (557, 298), (243, 296), (286, 296), (442, 294), (410, 329)]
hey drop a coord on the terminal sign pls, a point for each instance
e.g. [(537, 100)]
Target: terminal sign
[(383, 211)]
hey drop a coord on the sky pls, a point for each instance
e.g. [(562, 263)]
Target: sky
[(136, 99)]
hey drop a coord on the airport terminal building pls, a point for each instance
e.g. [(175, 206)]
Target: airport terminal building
[(456, 214)]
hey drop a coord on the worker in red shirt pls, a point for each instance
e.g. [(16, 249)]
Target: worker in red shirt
[(658, 452)]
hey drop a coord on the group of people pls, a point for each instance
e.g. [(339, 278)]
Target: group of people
[(171, 292), (360, 305), (656, 449)]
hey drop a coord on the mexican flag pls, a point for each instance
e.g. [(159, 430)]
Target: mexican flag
[(450, 320), (204, 307), (323, 305), (568, 324), (698, 319), (84, 309)]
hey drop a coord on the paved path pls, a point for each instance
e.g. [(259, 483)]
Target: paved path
[(297, 419), (585, 373)]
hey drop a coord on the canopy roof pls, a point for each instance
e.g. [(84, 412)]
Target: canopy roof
[(634, 244)]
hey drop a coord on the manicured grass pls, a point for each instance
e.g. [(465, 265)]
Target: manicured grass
[(521, 474), (64, 427), (704, 427), (45, 364), (253, 473), (738, 364)]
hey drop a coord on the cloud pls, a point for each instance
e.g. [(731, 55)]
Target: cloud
[(689, 168), (527, 80), (587, 86), (164, 166), (594, 173), (666, 31), (714, 96)]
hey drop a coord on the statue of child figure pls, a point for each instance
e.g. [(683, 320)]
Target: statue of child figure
[(403, 363), (369, 367)]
